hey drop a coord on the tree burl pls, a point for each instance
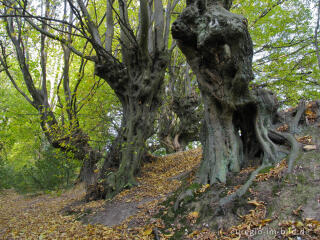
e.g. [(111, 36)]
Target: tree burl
[(237, 128)]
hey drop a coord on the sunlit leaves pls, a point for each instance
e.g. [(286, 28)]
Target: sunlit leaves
[(284, 60)]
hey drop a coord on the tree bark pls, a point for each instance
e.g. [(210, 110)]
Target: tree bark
[(316, 35), (139, 88), (221, 143), (180, 121), (236, 126)]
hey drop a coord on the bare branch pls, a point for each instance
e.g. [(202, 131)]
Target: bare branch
[(62, 40), (144, 24), (95, 86), (22, 61), (150, 31), (43, 57), (4, 63), (92, 28), (109, 25), (159, 25), (169, 11)]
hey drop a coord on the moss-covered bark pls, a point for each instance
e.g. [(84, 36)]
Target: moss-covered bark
[(138, 85), (237, 121)]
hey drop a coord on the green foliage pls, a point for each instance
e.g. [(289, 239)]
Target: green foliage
[(265, 170), (52, 171), (284, 55), (160, 152), (6, 173), (194, 186)]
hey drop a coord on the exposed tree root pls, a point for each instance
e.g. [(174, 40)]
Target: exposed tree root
[(155, 232), (111, 185), (292, 156), (293, 125), (243, 189), (295, 148)]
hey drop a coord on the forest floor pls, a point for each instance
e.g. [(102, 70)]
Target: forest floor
[(276, 206), (67, 216)]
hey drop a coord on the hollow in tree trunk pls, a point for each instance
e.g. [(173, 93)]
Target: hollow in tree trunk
[(236, 126)]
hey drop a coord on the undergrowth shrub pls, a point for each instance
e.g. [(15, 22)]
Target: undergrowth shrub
[(51, 171), (6, 174)]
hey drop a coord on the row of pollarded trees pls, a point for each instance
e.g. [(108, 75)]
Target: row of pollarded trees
[(217, 46), (134, 68)]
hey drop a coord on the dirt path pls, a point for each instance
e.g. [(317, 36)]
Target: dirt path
[(115, 213), (157, 180)]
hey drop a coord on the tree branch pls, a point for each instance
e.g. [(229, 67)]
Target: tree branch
[(159, 25), (92, 28), (109, 25), (4, 63), (267, 10)]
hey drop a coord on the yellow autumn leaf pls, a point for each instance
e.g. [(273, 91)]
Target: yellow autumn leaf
[(266, 220), (147, 232), (237, 238), (309, 112), (299, 224), (169, 235), (313, 221), (194, 233), (204, 188), (255, 203), (193, 215)]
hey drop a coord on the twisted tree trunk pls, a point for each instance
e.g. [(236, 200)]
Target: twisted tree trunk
[(218, 48), (139, 88)]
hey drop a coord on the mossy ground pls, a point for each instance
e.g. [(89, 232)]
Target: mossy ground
[(287, 198)]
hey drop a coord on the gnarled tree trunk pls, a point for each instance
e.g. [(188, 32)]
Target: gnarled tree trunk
[(180, 121), (218, 48), (139, 88)]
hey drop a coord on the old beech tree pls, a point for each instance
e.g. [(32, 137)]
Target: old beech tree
[(134, 68), (238, 128)]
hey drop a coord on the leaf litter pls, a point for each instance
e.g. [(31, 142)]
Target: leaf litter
[(41, 217)]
